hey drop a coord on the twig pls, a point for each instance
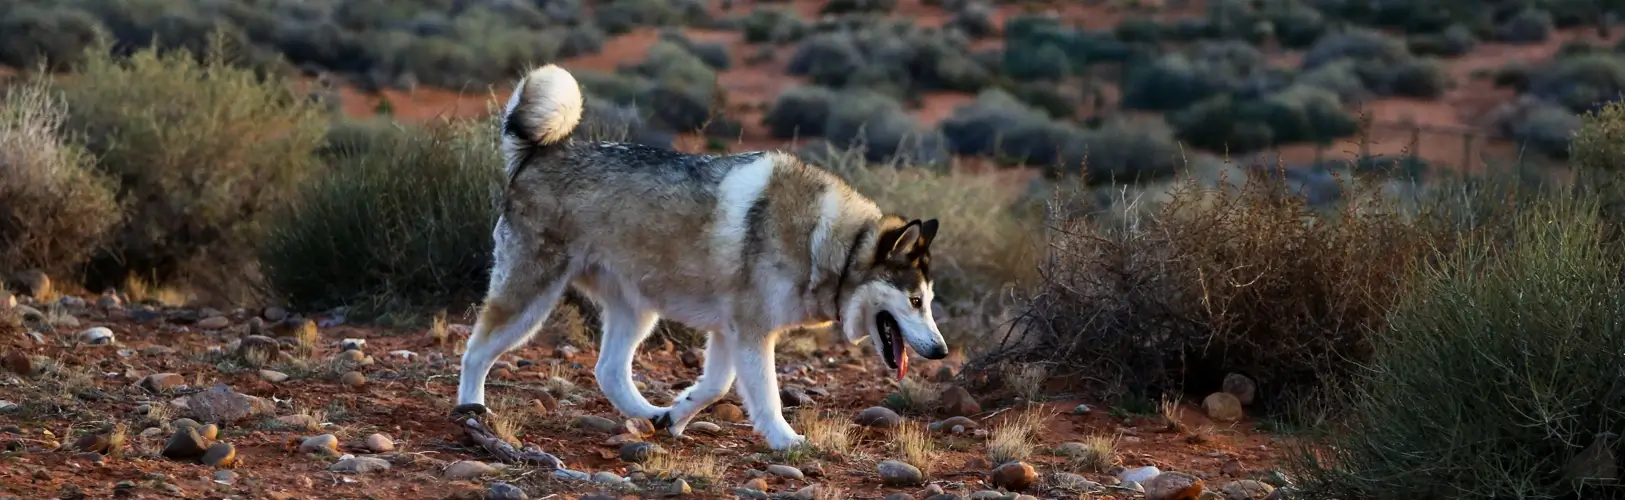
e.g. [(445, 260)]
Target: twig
[(506, 452)]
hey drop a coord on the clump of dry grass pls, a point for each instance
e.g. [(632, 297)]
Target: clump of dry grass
[(1171, 412), (914, 396), (1244, 277), (1099, 453), (913, 442), (439, 330), (824, 433), (141, 291), (1012, 440), (509, 420), (160, 413), (314, 418), (117, 440), (1027, 380), (701, 470)]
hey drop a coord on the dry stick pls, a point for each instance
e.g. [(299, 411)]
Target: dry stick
[(506, 452)]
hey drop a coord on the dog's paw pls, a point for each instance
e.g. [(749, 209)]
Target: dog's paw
[(470, 410), (786, 442), (663, 420)]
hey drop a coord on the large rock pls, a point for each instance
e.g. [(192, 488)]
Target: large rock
[(1173, 486), (957, 402), (220, 404), (896, 473), (185, 444), (1223, 407), (877, 416), (1014, 476), (1241, 387)]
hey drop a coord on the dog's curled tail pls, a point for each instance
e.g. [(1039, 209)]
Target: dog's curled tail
[(544, 110)]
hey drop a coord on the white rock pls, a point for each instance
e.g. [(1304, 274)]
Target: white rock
[(1139, 474), (100, 335)]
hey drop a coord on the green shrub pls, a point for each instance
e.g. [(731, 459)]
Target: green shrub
[(1542, 127), (1419, 78), (1527, 26), (1357, 44), (1454, 41), (1496, 376), (879, 126), (682, 94), (827, 59), (58, 209), (1177, 80), (1580, 83), (857, 6), (999, 126), (404, 224), (975, 19), (203, 152), (1599, 143), (1296, 25), (773, 25), (32, 36), (800, 111)]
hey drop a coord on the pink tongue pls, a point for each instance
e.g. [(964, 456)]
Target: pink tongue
[(902, 359)]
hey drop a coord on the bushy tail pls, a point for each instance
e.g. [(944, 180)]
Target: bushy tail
[(544, 110)]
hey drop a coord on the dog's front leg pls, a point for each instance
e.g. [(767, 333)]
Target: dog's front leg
[(715, 379), (759, 386)]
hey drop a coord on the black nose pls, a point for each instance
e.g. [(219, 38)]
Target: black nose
[(937, 352)]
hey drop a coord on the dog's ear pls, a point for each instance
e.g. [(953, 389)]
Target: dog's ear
[(928, 232), (901, 244)]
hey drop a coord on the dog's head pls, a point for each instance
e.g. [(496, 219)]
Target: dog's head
[(892, 303)]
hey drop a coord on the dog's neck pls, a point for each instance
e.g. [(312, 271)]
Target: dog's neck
[(849, 259)]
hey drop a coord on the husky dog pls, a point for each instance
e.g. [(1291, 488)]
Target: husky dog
[(742, 247)]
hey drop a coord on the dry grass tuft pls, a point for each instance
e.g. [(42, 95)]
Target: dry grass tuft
[(315, 417), (1012, 440), (913, 443), (701, 470), (160, 413), (1027, 380), (914, 396), (1098, 454), (824, 433), (141, 291), (1171, 412)]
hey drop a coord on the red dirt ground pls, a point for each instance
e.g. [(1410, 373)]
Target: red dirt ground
[(409, 400)]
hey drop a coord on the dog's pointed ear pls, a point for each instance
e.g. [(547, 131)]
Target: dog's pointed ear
[(899, 243), (928, 232)]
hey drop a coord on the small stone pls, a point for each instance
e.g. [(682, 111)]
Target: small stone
[(467, 469), (19, 363), (1241, 387), (594, 423), (209, 431), (184, 444), (225, 477), (100, 335), (274, 314), (691, 358), (273, 376), (213, 323), (987, 495), (640, 427), (359, 465), (1246, 489), (957, 402), (1172, 486), (607, 477), (785, 471), (727, 412), (1014, 476), (571, 475), (379, 443), (1223, 407), (1139, 474), (1082, 409), (945, 374), (950, 423), (1276, 478), (352, 344), (706, 427), (678, 488), (325, 444), (220, 455), (504, 491), (791, 397), (184, 422), (758, 484), (258, 350), (163, 382), (353, 379), (896, 473), (878, 416), (638, 452), (1071, 482)]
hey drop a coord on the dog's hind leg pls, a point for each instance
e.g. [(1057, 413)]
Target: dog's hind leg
[(752, 353), (625, 327), (715, 379), (522, 295)]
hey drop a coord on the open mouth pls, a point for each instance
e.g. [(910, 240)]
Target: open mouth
[(891, 343)]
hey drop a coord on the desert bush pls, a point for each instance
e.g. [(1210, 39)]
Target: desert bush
[(1581, 83), (857, 6), (406, 223), (890, 59), (683, 94), (1454, 41), (58, 209), (1046, 97), (617, 17), (1044, 62), (203, 151), (1538, 125), (1497, 374), (1341, 78), (1356, 44), (1296, 25), (1138, 29), (54, 37), (1599, 142), (826, 59), (1247, 278), (1181, 79), (999, 126), (878, 125), (773, 25), (1242, 125), (975, 19), (1529, 25), (800, 111), (1420, 78)]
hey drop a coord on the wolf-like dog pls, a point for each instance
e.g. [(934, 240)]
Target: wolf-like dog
[(740, 246)]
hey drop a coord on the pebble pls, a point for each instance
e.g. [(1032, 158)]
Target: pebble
[(326, 444), (678, 488), (19, 363), (273, 376), (758, 484), (792, 397), (727, 412), (1082, 409), (209, 431), (100, 335), (706, 427), (785, 471), (1139, 474), (594, 423), (1071, 482), (950, 423), (638, 452), (1014, 476), (213, 323), (505, 491), (163, 382), (184, 444), (353, 379), (467, 469), (1246, 489), (379, 443), (225, 477), (1172, 486), (896, 473), (359, 465), (352, 344), (571, 475), (877, 416), (607, 477), (957, 402), (220, 455)]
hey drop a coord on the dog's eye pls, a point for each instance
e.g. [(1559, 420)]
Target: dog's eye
[(915, 302)]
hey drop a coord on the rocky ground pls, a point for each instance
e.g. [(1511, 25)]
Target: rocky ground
[(100, 399)]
